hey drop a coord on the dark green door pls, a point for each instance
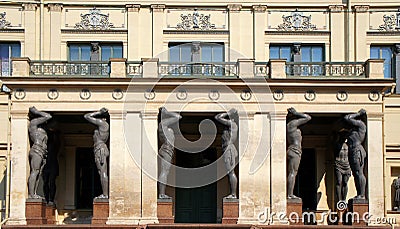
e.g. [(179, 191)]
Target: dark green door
[(196, 205)]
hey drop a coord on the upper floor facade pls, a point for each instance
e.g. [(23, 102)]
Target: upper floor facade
[(315, 39)]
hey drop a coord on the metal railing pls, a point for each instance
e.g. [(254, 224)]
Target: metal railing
[(261, 69), (134, 69), (76, 68), (326, 69), (222, 69)]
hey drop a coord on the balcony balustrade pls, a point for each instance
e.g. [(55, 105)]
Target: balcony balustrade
[(153, 68)]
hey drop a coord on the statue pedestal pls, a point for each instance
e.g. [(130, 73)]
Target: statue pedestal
[(164, 211), (100, 211), (294, 210), (359, 206), (230, 211), (51, 214), (35, 211)]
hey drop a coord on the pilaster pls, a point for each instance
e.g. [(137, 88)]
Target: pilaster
[(260, 24), (133, 31), (361, 26), (278, 162), (55, 34), (337, 14), (30, 29), (149, 166), (375, 183), (125, 175), (158, 26), (19, 167)]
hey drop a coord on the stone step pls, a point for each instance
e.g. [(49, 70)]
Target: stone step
[(188, 226)]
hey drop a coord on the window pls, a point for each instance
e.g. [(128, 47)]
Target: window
[(196, 52), (196, 59), (7, 51), (300, 58), (94, 52), (297, 53), (386, 53)]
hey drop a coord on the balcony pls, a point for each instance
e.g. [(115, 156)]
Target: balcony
[(153, 68)]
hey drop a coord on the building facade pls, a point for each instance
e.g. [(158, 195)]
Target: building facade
[(326, 59)]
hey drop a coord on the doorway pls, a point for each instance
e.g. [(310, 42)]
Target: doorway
[(196, 205), (306, 182)]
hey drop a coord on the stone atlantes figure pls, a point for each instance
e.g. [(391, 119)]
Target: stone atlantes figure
[(396, 185), (342, 166), (294, 150), (38, 151), (166, 151), (229, 136), (357, 153), (101, 152)]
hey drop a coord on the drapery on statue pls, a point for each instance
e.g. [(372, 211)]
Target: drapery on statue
[(342, 166), (396, 185), (38, 151), (50, 170), (229, 136), (357, 152), (101, 153), (294, 150), (166, 151)]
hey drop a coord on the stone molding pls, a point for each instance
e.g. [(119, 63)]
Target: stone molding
[(336, 8), (29, 7), (55, 7), (259, 8), (234, 8), (133, 8)]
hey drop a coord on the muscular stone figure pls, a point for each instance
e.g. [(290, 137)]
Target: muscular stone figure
[(166, 151), (294, 150), (357, 153), (229, 136), (396, 184), (38, 151), (342, 167), (101, 152)]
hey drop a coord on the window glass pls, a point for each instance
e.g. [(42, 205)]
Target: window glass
[(218, 53), (106, 52), (206, 53)]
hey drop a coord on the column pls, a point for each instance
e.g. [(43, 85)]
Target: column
[(278, 162), (30, 30), (158, 25), (361, 26), (55, 33), (375, 165), (133, 32), (124, 179), (149, 167), (19, 167), (397, 76), (336, 23), (260, 24)]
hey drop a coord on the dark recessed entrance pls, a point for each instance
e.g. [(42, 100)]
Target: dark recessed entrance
[(196, 205), (87, 178)]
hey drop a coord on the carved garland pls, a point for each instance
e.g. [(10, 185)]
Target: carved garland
[(4, 24), (296, 22), (391, 22), (195, 21), (94, 20)]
